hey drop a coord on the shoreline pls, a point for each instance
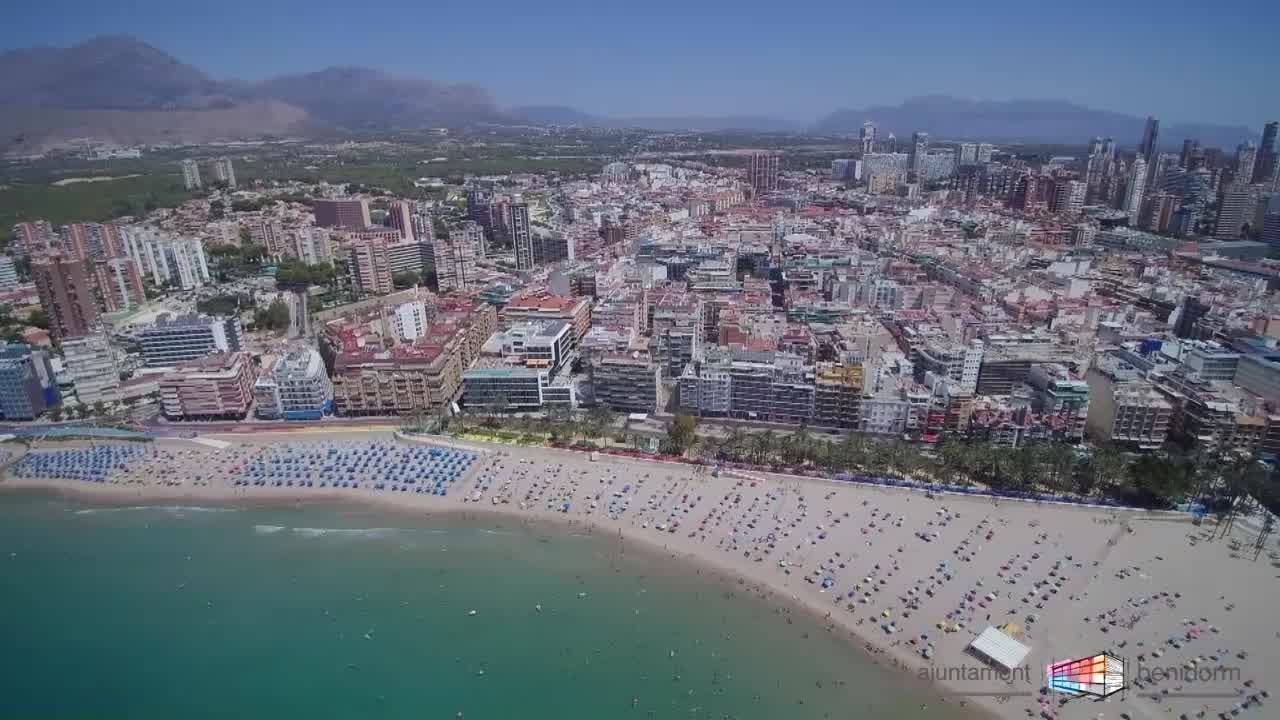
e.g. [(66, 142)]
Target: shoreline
[(707, 567), (1026, 521)]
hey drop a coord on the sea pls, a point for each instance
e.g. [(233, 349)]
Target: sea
[(327, 611)]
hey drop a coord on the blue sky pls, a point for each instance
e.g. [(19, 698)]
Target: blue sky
[(1183, 61)]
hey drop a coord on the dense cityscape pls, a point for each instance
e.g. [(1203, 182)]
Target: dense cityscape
[(701, 361), (947, 308)]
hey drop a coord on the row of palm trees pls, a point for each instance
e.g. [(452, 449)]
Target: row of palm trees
[(1047, 467), (1152, 480)]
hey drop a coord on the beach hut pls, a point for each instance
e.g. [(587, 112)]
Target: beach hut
[(997, 648)]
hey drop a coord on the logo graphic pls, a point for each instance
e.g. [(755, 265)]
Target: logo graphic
[(1097, 675)]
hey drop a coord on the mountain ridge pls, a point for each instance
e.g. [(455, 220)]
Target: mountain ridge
[(49, 94)]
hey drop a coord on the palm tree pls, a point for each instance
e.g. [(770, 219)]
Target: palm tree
[(801, 446), (730, 443), (761, 446)]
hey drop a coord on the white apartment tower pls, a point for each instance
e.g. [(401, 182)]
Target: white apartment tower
[(223, 172), (191, 175)]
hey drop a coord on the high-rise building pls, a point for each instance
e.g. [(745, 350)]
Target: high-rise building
[(1266, 166), (919, 147), (480, 210), (8, 273), (295, 387), (219, 386), (968, 153), (1271, 228), (1069, 197), (1188, 316), (27, 385), (1189, 149), (118, 284), (1150, 140), (985, 152), (474, 234), (66, 294), (370, 264), (1134, 192), (349, 213), (400, 217), (454, 260), (868, 137), (1235, 210), (174, 340), (191, 175), (171, 260), (521, 236), (312, 245), (1246, 161), (763, 172), (90, 363), (224, 172)]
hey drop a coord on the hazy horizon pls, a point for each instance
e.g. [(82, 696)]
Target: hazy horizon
[(721, 58)]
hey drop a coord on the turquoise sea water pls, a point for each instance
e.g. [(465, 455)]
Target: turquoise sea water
[(317, 612)]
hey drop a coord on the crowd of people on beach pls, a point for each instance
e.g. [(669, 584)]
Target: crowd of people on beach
[(916, 575)]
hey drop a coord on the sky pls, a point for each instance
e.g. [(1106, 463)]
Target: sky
[(1180, 60)]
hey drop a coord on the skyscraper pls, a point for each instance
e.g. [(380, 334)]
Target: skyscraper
[(763, 173), (1150, 140), (868, 137), (1246, 161), (520, 236), (1137, 185), (1189, 149), (968, 153), (919, 147), (66, 294), (1265, 168), (191, 175)]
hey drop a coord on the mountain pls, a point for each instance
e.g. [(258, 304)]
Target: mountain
[(119, 89), (556, 115), (561, 115), (105, 73), (1031, 121), (354, 97), (32, 130)]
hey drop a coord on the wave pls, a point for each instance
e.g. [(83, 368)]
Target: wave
[(350, 532), (176, 509), (268, 529), (487, 531)]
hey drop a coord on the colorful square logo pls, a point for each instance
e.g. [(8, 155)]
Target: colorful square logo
[(1097, 675)]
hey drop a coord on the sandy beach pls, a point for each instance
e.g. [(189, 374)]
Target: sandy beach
[(911, 578)]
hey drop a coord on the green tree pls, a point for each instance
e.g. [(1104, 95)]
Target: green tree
[(55, 413), (681, 433), (274, 317), (99, 408), (406, 279), (39, 318)]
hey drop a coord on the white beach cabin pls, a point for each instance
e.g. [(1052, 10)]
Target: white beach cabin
[(995, 647)]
